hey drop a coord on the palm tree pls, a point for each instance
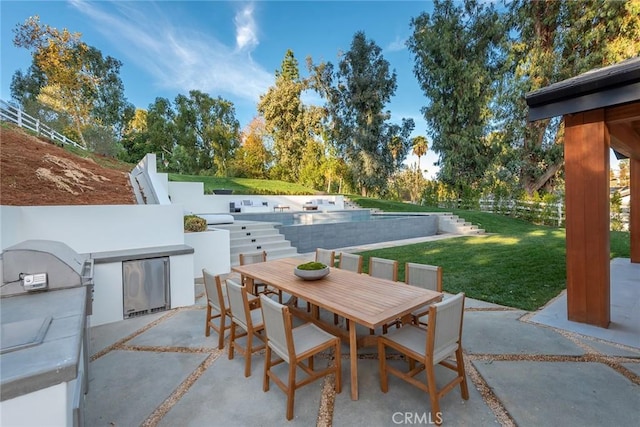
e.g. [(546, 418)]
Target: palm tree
[(420, 147)]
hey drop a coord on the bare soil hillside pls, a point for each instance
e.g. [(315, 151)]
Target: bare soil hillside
[(34, 172)]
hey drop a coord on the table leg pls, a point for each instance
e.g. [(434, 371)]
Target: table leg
[(353, 355)]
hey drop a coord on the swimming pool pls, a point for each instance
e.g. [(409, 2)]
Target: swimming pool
[(310, 230)]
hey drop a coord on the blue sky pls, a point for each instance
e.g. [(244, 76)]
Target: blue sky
[(224, 48)]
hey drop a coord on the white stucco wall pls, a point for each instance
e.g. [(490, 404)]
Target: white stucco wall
[(212, 250), (190, 195), (93, 229)]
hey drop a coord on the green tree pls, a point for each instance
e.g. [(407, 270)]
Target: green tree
[(419, 145), (554, 41), (161, 135), (252, 159), (110, 106), (208, 131), (312, 165), (458, 58), (623, 173), (135, 138), (356, 95), (284, 115), (71, 78)]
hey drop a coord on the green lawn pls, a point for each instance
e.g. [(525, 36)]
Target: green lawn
[(244, 185), (516, 264)]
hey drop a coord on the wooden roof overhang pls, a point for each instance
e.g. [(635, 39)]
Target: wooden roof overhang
[(601, 110)]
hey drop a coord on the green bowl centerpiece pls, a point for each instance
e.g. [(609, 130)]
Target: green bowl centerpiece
[(311, 270)]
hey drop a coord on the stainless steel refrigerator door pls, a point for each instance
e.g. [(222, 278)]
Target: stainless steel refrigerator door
[(145, 285)]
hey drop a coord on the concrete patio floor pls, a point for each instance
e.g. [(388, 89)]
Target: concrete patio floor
[(522, 370)]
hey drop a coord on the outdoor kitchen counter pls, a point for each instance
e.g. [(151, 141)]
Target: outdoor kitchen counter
[(57, 358), (140, 253)]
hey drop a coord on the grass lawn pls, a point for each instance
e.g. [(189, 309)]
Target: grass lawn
[(244, 185), (516, 264)]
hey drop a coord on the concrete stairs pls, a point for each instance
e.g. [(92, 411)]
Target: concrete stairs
[(449, 223), (350, 204), (251, 236)]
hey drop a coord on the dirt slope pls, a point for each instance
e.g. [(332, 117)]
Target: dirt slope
[(34, 172)]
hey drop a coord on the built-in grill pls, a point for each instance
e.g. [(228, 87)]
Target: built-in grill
[(45, 265), (45, 270)]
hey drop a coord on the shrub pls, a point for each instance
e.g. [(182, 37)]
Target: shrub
[(193, 223)]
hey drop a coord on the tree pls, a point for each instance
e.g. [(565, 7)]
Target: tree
[(110, 106), (419, 145), (284, 116), (252, 159), (135, 138), (208, 130), (72, 78), (554, 41), (356, 95), (457, 60), (623, 176), (161, 134)]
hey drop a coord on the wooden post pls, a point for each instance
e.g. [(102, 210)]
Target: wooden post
[(634, 209), (586, 151)]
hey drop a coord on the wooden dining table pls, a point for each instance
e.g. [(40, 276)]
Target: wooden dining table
[(359, 298)]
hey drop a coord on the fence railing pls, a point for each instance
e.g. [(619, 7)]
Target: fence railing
[(15, 115), (544, 213)]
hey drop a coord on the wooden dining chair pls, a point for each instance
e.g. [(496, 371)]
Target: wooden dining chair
[(217, 306), (424, 276), (429, 347), (253, 258), (349, 262), (248, 319), (383, 268), (326, 256), (295, 346)]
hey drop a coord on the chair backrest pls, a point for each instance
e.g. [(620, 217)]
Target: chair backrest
[(213, 290), (444, 328), (239, 304), (277, 327), (326, 256), (350, 262), (383, 268), (253, 257), (423, 275)]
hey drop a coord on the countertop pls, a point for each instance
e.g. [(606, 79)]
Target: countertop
[(57, 358), (140, 253)]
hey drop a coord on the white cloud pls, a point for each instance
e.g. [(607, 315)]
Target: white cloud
[(246, 30), (397, 45), (177, 57)]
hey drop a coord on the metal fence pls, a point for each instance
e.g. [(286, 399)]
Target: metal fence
[(15, 115)]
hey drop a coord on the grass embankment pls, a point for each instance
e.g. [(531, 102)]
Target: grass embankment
[(244, 185), (516, 264)]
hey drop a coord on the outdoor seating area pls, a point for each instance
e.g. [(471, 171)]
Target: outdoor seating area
[(166, 359), (318, 204)]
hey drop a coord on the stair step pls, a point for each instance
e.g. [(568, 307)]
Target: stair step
[(252, 247), (247, 240), (251, 236), (274, 254), (253, 233)]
